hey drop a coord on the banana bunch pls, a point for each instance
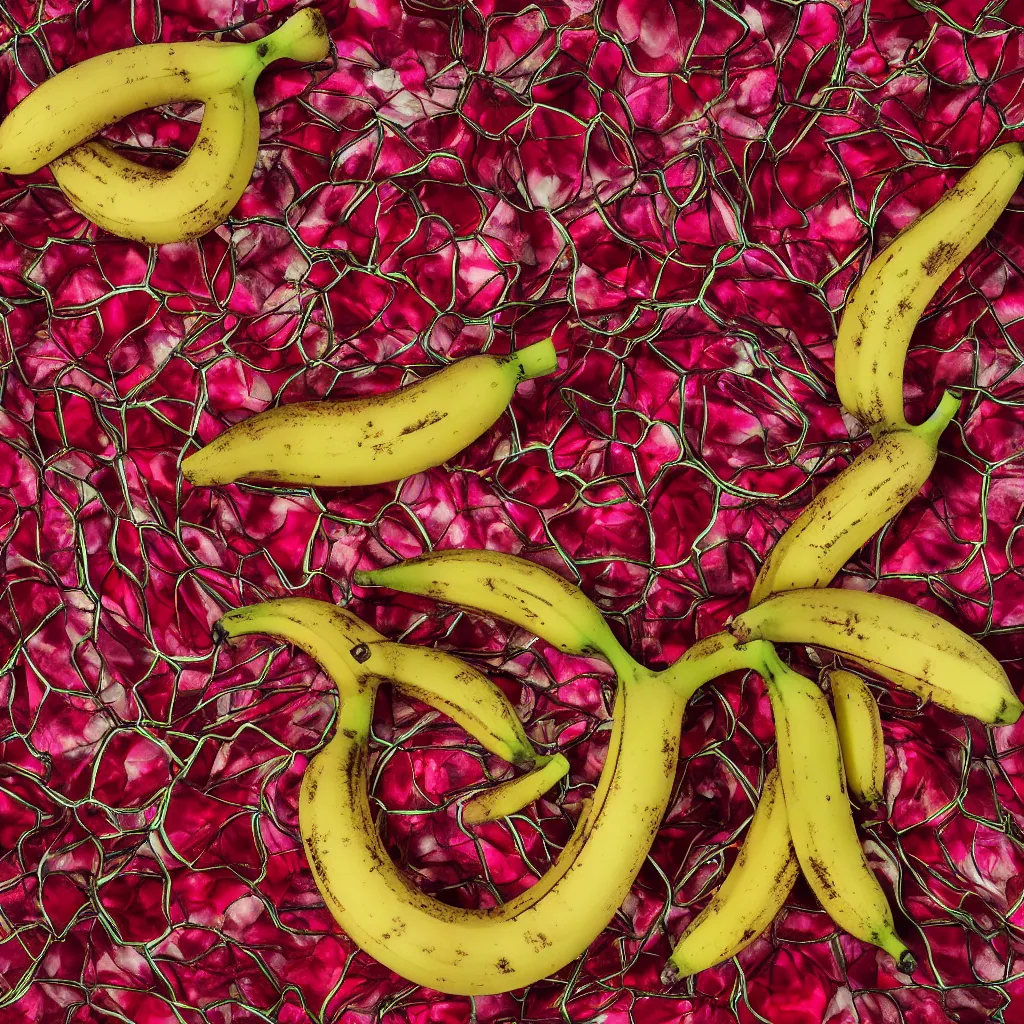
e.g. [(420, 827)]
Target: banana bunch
[(53, 123), (371, 440), (821, 759), (820, 821), (475, 952), (803, 820)]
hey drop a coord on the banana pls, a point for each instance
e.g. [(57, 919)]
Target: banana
[(929, 656), (820, 819), (860, 735), (371, 440), (839, 520), (153, 206), (453, 950), (512, 588), (440, 680), (87, 97), (880, 315), (753, 892), (447, 684), (515, 794)]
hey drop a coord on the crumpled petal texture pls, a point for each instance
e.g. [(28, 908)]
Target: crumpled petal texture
[(683, 195)]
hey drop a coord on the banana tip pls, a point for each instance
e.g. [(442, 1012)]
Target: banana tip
[(670, 974), (1010, 712), (363, 577), (220, 633), (739, 630), (907, 962)]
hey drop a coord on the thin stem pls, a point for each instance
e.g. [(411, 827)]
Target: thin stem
[(712, 657)]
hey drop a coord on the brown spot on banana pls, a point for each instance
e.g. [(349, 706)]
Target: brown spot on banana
[(943, 254), (429, 420), (820, 872)]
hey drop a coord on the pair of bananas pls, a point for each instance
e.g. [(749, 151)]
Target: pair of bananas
[(803, 820), (54, 121)]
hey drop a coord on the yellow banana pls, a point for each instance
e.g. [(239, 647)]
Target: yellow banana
[(888, 300), (820, 818), (458, 690), (753, 892), (371, 440), (860, 735), (453, 950), (839, 520), (153, 206), (512, 588), (930, 656), (85, 98), (515, 794), (440, 680)]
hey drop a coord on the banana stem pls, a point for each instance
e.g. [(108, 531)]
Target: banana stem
[(712, 657), (932, 428), (537, 359), (303, 37), (772, 667)]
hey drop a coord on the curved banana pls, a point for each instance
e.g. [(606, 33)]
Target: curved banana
[(472, 952), (371, 440), (820, 819), (440, 680), (753, 892), (860, 735), (154, 206), (465, 695), (930, 656), (82, 100), (839, 520), (515, 794), (880, 315), (512, 588)]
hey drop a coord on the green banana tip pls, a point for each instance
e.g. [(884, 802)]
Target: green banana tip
[(1010, 712), (537, 359), (947, 408), (365, 577)]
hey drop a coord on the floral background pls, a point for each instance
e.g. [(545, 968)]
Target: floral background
[(683, 195)]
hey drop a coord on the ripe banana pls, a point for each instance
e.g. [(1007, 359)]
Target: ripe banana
[(458, 951), (371, 440), (440, 680), (930, 656), (512, 588), (154, 206), (839, 520), (820, 819), (447, 684), (515, 794), (860, 735), (85, 98), (888, 300), (753, 892)]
